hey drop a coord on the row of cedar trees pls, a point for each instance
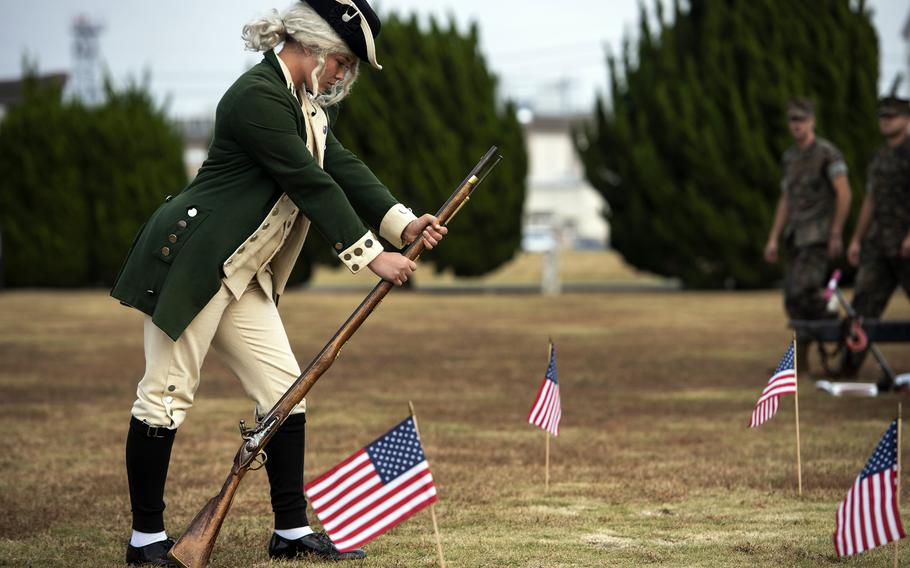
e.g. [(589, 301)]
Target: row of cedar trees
[(687, 150), (76, 183)]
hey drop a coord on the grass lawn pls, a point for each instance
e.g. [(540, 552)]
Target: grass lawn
[(654, 464), (603, 268)]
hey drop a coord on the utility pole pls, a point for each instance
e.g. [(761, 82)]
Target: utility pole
[(551, 280)]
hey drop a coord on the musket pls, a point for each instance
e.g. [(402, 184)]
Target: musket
[(193, 549)]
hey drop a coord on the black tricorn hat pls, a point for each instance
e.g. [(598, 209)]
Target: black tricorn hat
[(355, 22)]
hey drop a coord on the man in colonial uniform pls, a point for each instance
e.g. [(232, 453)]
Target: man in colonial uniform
[(208, 267)]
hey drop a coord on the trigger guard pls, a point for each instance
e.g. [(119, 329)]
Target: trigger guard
[(259, 461)]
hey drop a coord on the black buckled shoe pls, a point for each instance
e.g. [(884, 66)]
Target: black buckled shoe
[(313, 545), (154, 554)]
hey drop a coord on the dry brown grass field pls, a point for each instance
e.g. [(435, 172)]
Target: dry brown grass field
[(603, 268), (654, 464)]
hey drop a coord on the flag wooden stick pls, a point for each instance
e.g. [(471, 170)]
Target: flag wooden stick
[(799, 463), (897, 489), (546, 459), (546, 478), (442, 560)]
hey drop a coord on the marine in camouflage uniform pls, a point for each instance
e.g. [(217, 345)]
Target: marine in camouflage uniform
[(814, 200), (881, 242)]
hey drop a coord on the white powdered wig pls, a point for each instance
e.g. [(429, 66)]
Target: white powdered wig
[(305, 27)]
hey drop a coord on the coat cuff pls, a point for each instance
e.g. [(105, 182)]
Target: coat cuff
[(361, 253), (394, 222)]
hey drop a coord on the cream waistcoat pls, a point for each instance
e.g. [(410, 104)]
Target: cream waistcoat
[(270, 253)]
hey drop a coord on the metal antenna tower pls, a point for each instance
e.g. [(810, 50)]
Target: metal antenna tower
[(85, 83)]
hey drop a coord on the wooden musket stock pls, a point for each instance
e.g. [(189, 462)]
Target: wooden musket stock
[(194, 548)]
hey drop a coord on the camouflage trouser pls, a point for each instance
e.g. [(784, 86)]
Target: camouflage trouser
[(876, 280), (806, 276)]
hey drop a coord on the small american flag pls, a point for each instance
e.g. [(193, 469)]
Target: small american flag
[(374, 489), (546, 410), (869, 515), (782, 382)]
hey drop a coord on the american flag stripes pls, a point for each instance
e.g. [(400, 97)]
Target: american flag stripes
[(546, 410), (782, 382), (869, 516), (374, 489)]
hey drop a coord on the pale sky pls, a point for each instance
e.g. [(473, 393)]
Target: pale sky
[(548, 53)]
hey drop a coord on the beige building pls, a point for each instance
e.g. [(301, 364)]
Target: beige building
[(560, 205)]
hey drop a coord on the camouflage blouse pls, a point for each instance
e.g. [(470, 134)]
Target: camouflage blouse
[(807, 183), (889, 185)]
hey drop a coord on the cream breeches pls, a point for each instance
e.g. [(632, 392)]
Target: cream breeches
[(248, 335)]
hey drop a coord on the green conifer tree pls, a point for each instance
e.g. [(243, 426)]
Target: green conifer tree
[(687, 149), (42, 210), (421, 123), (76, 183)]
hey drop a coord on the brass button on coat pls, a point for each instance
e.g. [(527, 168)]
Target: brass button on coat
[(172, 237), (339, 246), (192, 211), (165, 251), (182, 224)]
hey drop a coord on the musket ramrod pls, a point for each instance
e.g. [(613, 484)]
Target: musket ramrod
[(193, 549)]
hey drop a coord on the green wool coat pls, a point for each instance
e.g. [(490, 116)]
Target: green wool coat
[(258, 152)]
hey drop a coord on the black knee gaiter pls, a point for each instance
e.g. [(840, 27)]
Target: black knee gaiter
[(148, 453), (285, 468)]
